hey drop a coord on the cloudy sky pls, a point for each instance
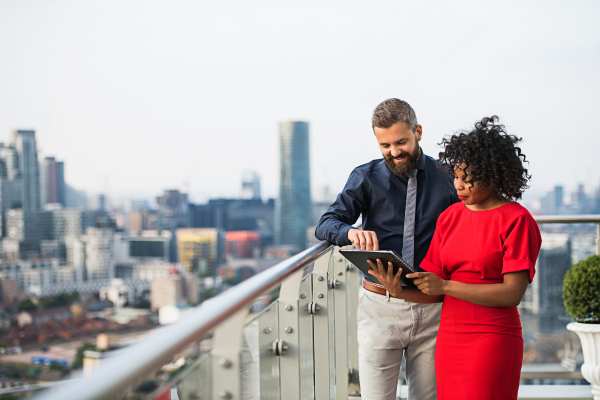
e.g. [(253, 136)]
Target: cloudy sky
[(140, 96)]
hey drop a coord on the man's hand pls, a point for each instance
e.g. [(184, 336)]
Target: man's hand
[(429, 283), (364, 240), (390, 281)]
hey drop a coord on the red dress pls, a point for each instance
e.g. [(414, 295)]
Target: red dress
[(479, 350)]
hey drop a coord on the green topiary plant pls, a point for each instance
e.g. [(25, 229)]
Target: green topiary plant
[(581, 291)]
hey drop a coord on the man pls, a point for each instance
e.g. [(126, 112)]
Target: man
[(400, 198)]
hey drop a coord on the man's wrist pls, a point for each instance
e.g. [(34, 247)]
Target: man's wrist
[(344, 233)]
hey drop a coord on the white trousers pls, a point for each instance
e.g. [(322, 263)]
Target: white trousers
[(386, 331)]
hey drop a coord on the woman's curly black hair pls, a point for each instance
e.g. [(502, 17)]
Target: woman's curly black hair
[(493, 155)]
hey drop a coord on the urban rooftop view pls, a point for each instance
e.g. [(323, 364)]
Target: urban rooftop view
[(164, 166)]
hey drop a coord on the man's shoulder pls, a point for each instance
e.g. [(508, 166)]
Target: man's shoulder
[(373, 166), (434, 166)]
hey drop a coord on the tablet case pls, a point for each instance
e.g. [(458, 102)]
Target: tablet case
[(359, 259)]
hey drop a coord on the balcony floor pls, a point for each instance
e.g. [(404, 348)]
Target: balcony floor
[(533, 392)]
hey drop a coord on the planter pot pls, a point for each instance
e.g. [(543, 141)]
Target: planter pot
[(589, 334)]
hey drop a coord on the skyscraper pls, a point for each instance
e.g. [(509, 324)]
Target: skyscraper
[(294, 207), (558, 198), (52, 178), (24, 143)]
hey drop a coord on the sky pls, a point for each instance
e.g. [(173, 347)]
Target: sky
[(141, 96)]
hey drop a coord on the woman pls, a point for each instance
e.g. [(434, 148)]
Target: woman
[(481, 258), (480, 262)]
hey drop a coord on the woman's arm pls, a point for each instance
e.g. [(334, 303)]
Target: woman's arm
[(392, 284), (506, 294)]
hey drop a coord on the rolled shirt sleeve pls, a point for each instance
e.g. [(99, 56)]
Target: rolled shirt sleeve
[(522, 246), (337, 221), (432, 262)]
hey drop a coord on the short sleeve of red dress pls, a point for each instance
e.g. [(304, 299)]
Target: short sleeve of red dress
[(431, 262), (521, 245)]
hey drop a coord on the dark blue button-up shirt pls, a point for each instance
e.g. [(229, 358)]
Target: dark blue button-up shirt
[(380, 196)]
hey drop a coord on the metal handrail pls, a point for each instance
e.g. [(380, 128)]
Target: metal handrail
[(142, 358), (573, 219), (568, 219)]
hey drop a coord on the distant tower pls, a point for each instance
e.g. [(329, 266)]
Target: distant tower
[(97, 202), (52, 176), (250, 185), (558, 199), (24, 143), (294, 208)]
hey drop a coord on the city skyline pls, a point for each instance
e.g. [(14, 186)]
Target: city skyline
[(188, 95), (249, 187)]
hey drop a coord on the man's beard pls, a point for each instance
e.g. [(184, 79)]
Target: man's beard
[(405, 168)]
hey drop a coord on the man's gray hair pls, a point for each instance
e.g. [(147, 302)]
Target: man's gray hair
[(390, 111)]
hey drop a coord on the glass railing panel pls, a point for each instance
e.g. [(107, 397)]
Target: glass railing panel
[(187, 374), (305, 331), (321, 337), (266, 326), (193, 382), (160, 382), (331, 321), (250, 362)]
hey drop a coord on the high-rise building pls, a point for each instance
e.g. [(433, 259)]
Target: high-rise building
[(552, 202), (198, 249), (235, 215), (149, 246), (71, 223), (97, 202), (99, 253), (24, 143), (24, 231), (581, 202), (11, 184), (173, 206), (52, 178), (143, 220), (558, 198), (10, 161), (294, 207)]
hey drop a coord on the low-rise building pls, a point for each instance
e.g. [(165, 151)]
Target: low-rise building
[(174, 289), (9, 290), (40, 317), (243, 244)]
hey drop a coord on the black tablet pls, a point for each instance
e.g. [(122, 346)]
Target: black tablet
[(359, 259)]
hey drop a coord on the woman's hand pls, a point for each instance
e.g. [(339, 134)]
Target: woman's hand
[(429, 283), (390, 281)]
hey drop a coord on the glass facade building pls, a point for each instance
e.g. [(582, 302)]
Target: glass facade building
[(52, 181), (25, 144), (294, 207)]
